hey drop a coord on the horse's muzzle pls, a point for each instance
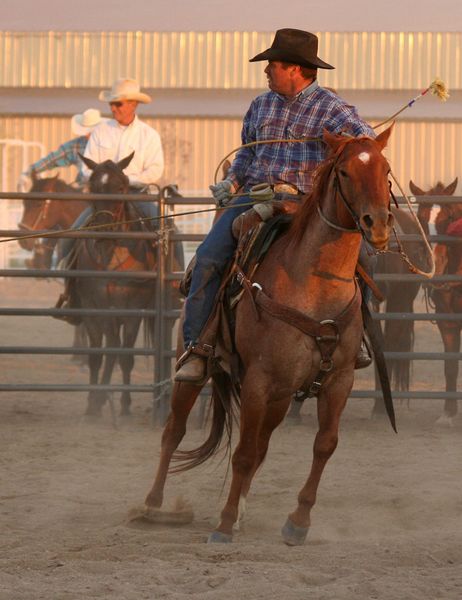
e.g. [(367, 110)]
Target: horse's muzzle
[(377, 228), (26, 244)]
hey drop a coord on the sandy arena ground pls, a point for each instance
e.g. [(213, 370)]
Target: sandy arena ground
[(387, 525)]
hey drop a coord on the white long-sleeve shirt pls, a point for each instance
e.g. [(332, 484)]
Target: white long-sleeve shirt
[(111, 141)]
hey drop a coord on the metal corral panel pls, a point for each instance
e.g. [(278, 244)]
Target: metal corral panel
[(219, 60)]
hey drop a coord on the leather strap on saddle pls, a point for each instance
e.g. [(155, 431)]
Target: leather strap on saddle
[(295, 317), (326, 333)]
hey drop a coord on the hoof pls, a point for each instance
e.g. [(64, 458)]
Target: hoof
[(293, 535), (217, 537)]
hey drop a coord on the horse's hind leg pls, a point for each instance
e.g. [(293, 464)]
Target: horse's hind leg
[(183, 397), (126, 361), (94, 363), (451, 341), (331, 403)]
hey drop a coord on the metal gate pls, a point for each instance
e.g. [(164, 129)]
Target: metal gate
[(166, 316)]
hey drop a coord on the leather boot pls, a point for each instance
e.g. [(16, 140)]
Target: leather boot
[(363, 358), (192, 369)]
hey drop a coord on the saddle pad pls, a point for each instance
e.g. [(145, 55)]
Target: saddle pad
[(258, 245)]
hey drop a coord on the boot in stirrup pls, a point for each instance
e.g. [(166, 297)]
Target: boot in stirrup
[(192, 365), (363, 358)]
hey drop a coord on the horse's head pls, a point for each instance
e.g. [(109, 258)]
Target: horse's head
[(108, 178), (35, 212), (360, 174), (447, 212)]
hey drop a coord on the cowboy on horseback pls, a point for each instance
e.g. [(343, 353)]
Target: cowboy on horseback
[(68, 153), (295, 107), (115, 139)]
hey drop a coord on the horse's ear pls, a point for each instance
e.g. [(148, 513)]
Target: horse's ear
[(33, 176), (449, 191), (90, 163), (123, 164), (416, 191), (382, 138), (332, 140)]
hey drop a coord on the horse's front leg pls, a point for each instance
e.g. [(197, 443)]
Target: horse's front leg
[(331, 402), (183, 398), (275, 412)]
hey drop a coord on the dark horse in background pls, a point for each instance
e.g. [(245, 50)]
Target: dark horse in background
[(117, 256), (399, 297), (446, 297), (47, 214)]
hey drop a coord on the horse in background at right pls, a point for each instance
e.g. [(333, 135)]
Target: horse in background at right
[(446, 297)]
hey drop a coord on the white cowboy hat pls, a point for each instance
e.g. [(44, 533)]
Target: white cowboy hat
[(83, 124), (124, 89)]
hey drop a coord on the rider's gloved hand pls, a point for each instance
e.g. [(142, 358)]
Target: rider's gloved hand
[(222, 192), (24, 182)]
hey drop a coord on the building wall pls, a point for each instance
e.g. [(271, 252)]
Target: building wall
[(202, 83)]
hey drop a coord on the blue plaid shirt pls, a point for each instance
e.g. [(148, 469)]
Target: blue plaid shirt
[(64, 156), (272, 116)]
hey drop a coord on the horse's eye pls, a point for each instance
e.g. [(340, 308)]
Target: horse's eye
[(343, 173)]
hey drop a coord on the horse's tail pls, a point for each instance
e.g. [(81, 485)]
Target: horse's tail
[(149, 324), (224, 404)]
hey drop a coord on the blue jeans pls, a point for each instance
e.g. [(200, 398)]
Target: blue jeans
[(212, 257)]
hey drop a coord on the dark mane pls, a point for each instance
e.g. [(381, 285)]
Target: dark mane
[(320, 182)]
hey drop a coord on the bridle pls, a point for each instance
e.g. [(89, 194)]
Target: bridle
[(42, 215), (337, 189)]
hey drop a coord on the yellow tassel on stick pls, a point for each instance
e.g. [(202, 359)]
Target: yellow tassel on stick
[(437, 88)]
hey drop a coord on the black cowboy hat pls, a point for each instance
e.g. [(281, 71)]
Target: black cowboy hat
[(294, 46)]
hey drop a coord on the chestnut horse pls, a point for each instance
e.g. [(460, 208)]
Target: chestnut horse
[(310, 270), (48, 214), (447, 297)]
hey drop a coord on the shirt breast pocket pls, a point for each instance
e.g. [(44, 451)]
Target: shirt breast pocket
[(105, 151), (298, 131), (267, 130)]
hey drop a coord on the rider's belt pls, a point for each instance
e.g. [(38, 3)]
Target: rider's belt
[(285, 188)]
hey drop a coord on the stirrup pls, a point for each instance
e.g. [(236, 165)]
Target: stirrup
[(203, 354)]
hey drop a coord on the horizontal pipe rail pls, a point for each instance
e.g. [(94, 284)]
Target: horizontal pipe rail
[(84, 234), (417, 317), (172, 200), (61, 350), (69, 387), (423, 395), (60, 273), (13, 387), (72, 312)]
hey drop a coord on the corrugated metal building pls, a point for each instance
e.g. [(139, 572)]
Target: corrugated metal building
[(202, 84)]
